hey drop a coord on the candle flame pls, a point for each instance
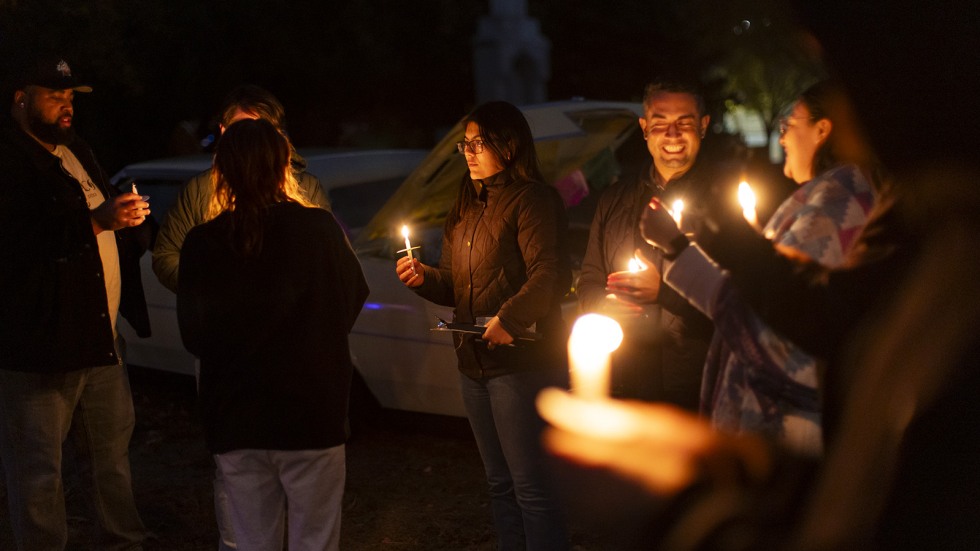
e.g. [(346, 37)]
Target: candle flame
[(746, 198), (405, 231), (595, 334), (636, 265), (676, 210)]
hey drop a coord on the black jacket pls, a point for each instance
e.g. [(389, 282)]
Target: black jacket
[(506, 257), (272, 330), (672, 338), (55, 312)]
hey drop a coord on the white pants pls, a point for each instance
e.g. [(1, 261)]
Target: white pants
[(262, 484)]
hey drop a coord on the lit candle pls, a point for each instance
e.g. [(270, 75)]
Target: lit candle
[(746, 198), (636, 265), (408, 247), (593, 340), (676, 209)]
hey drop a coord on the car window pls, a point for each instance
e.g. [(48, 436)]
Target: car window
[(581, 152), (355, 205)]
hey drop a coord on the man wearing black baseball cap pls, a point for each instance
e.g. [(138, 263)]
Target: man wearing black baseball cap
[(69, 256)]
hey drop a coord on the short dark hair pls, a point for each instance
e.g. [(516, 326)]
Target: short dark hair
[(818, 99), (254, 100), (674, 87)]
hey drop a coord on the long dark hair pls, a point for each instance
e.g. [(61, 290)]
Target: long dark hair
[(505, 132), (251, 172)]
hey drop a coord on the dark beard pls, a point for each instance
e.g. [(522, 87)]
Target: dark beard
[(48, 133)]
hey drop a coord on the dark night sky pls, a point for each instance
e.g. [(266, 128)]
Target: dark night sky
[(355, 73)]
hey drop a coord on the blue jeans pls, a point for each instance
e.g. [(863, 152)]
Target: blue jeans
[(508, 430), (93, 408)]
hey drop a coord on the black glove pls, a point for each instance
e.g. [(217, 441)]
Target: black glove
[(660, 230)]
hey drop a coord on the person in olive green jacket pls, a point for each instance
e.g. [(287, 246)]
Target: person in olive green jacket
[(195, 206), (194, 203)]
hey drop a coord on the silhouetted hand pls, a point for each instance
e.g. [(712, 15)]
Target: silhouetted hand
[(661, 447), (659, 228)]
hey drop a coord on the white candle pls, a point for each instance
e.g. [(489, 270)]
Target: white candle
[(408, 247), (746, 198), (593, 340)]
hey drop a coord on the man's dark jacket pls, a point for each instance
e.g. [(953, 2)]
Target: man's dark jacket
[(55, 314), (664, 349)]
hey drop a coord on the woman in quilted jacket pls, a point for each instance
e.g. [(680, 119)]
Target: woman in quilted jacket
[(504, 268)]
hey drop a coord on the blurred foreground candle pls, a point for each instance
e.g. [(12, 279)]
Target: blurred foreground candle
[(593, 340), (408, 246), (746, 198)]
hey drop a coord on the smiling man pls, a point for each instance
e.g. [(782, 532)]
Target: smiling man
[(666, 339)]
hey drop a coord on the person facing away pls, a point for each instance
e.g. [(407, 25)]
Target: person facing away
[(755, 379), (68, 265), (268, 293), (504, 260), (664, 348), (195, 203)]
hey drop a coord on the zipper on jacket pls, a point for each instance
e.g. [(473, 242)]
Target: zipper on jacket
[(469, 269)]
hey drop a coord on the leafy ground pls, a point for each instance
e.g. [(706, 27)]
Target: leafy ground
[(415, 482)]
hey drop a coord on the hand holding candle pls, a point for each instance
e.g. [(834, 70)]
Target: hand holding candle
[(638, 285), (659, 228), (593, 340), (408, 247)]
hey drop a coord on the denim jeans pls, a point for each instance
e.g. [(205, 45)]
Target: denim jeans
[(508, 430), (93, 409)]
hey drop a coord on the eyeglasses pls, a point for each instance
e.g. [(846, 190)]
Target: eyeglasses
[(784, 123), (475, 147), (659, 126)]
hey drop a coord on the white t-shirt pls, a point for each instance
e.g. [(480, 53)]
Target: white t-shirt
[(106, 239)]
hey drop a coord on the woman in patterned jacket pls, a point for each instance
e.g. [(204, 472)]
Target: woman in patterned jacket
[(754, 379)]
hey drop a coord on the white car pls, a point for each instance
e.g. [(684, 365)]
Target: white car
[(358, 183), (403, 362)]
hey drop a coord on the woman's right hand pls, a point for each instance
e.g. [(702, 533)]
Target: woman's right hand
[(411, 272)]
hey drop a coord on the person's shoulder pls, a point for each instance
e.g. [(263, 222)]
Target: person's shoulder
[(847, 178), (298, 212), (534, 191), (199, 180), (623, 188), (197, 235)]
